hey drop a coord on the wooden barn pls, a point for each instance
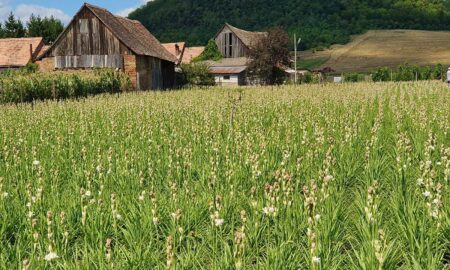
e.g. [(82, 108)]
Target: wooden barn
[(234, 42), (95, 38)]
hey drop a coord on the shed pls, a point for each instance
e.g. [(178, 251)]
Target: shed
[(18, 52), (95, 38), (229, 71), (234, 42)]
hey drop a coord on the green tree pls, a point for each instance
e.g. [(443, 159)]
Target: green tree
[(13, 27), (2, 31), (382, 74), (196, 74), (211, 52), (319, 23), (48, 28), (268, 55)]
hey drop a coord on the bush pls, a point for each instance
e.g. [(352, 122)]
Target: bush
[(211, 52), (382, 75), (196, 74), (353, 77), (40, 86), (408, 72)]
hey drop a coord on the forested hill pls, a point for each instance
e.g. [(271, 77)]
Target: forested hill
[(319, 23)]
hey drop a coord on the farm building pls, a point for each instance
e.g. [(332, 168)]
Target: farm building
[(190, 53), (234, 44), (176, 49), (18, 52), (229, 71), (184, 54), (95, 38)]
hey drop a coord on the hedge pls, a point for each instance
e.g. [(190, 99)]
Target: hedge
[(16, 87)]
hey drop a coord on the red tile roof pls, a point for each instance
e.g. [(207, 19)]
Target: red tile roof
[(15, 52), (190, 53), (176, 49)]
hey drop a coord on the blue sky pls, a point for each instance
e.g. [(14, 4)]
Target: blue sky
[(62, 9)]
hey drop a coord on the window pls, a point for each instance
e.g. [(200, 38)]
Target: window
[(228, 44), (226, 77), (84, 26)]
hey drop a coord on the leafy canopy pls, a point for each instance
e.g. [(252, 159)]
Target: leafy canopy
[(48, 28), (211, 52), (319, 23)]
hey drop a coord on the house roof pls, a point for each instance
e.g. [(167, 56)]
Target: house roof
[(227, 65), (132, 33), (43, 51), (227, 70), (172, 49), (190, 53), (247, 37), (15, 52), (228, 62)]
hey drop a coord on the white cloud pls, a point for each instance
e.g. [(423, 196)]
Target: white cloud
[(125, 12), (4, 9), (23, 11)]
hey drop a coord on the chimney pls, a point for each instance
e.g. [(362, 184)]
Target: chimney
[(177, 49), (31, 53)]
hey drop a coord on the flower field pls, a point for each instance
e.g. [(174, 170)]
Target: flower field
[(351, 176)]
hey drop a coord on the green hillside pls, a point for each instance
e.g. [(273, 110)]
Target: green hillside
[(320, 23)]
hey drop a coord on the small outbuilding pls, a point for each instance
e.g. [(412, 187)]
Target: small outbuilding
[(234, 45), (95, 38), (229, 71), (16, 53)]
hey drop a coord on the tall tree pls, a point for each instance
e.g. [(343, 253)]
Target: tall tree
[(2, 32), (48, 28), (268, 55), (13, 27)]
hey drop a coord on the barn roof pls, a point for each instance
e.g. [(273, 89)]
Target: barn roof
[(247, 37), (15, 52), (132, 33)]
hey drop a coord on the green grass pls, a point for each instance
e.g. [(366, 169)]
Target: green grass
[(309, 177), (311, 63)]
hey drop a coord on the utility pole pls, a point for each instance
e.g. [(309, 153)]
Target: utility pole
[(296, 43)]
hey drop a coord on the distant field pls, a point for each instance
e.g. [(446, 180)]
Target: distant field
[(385, 48)]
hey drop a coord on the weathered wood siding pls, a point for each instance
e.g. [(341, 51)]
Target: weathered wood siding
[(168, 74), (87, 42), (89, 61), (230, 45), (149, 73)]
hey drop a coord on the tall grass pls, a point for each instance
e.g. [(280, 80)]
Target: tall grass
[(351, 176)]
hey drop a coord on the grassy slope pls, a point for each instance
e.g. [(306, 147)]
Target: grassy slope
[(388, 48)]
